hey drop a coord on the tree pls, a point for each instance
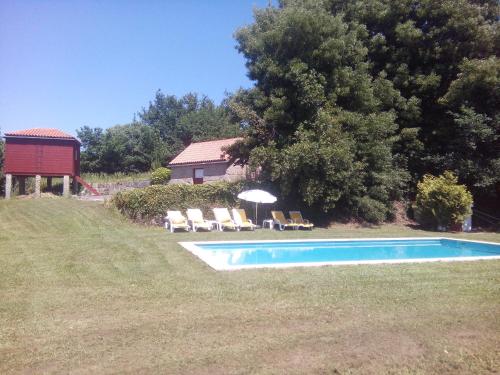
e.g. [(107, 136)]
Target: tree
[(91, 142), (190, 118), (421, 46), (166, 127), (473, 101), (209, 122), (123, 148), (318, 124), (163, 115)]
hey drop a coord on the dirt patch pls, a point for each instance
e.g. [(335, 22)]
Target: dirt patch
[(371, 352)]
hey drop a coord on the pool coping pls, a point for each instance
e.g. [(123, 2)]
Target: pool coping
[(193, 248)]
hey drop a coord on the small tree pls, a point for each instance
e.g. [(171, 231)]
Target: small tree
[(441, 201), (160, 176)]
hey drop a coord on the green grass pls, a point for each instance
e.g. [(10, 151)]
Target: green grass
[(84, 291), (115, 177)]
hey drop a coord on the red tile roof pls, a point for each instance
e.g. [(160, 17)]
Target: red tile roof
[(40, 133), (204, 152)]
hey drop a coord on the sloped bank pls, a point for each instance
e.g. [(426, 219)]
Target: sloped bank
[(111, 188)]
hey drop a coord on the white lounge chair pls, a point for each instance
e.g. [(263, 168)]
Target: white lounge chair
[(195, 219), (224, 220), (240, 219), (175, 220)]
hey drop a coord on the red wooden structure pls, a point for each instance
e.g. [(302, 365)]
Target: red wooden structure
[(41, 152)]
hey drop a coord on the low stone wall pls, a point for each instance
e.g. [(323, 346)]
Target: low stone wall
[(110, 188)]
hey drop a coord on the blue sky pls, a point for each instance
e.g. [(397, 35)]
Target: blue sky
[(66, 64)]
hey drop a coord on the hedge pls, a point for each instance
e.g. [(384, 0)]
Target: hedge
[(150, 204)]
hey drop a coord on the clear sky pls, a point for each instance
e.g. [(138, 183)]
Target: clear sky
[(66, 64)]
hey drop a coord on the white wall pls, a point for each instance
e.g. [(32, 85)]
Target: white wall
[(212, 172)]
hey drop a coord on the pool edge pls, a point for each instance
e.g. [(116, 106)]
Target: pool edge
[(192, 247)]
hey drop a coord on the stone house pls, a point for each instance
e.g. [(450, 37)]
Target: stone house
[(202, 162)]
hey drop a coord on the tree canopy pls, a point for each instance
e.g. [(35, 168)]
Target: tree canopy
[(191, 118), (352, 98), (167, 126)]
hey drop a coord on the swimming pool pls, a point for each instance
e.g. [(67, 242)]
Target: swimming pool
[(234, 255)]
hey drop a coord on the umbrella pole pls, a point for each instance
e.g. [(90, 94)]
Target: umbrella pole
[(256, 213)]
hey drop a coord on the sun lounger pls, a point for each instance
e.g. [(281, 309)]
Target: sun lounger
[(280, 220), (297, 218), (175, 220), (240, 219), (224, 220), (195, 219)]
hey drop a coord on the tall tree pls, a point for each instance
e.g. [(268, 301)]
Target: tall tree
[(207, 122), (91, 141), (419, 45), (473, 148), (166, 127), (123, 148), (189, 118), (163, 115), (319, 126)]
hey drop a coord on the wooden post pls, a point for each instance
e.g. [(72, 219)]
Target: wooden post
[(49, 184), (38, 179), (8, 185), (66, 186), (22, 185)]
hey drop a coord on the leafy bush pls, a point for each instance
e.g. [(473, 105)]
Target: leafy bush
[(372, 210), (441, 201), (150, 204), (160, 176)]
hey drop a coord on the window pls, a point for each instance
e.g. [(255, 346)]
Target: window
[(198, 174)]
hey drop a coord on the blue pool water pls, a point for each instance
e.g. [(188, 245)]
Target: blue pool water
[(235, 255)]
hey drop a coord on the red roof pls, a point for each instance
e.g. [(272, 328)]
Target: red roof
[(204, 152), (40, 133)]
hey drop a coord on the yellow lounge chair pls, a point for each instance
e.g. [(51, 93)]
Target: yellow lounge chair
[(224, 220), (195, 219), (240, 219), (297, 218), (175, 220), (280, 220)]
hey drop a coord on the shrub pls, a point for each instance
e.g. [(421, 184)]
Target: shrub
[(150, 204), (160, 176), (441, 201), (371, 210)]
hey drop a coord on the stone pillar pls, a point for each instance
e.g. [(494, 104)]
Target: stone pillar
[(49, 184), (38, 179), (8, 185), (22, 185), (66, 186)]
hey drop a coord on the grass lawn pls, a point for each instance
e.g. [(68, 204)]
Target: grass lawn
[(84, 291)]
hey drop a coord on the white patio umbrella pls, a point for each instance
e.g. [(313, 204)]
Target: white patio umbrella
[(257, 196)]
